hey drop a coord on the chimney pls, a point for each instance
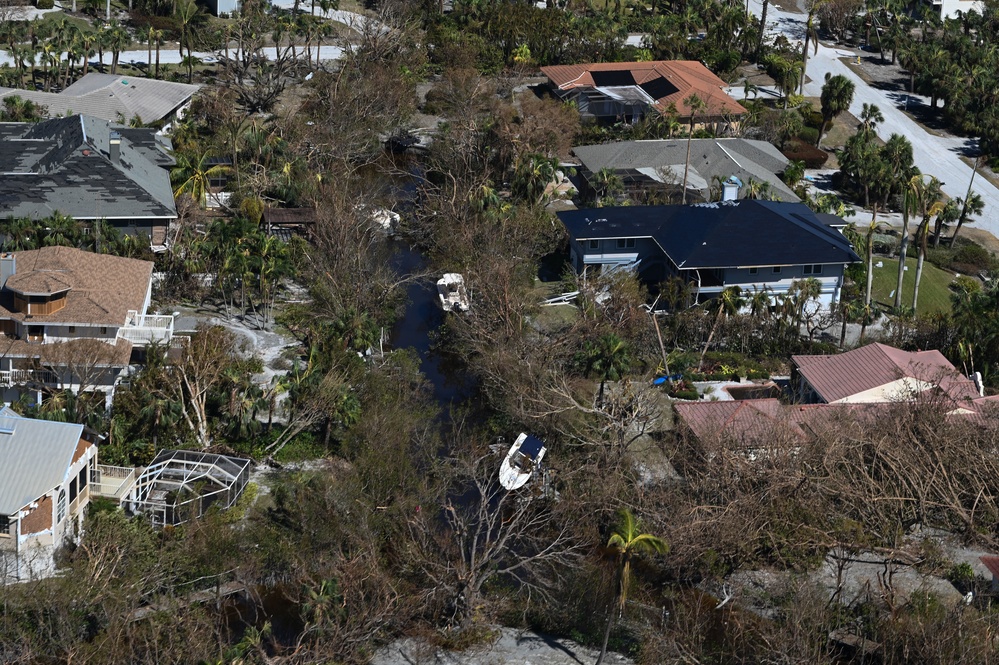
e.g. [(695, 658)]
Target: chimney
[(730, 189), (8, 266), (114, 150)]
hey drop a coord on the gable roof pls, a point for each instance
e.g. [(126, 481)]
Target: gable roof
[(101, 288), (111, 97), (709, 159), (662, 82), (841, 376), (64, 165), (742, 233), (35, 456)]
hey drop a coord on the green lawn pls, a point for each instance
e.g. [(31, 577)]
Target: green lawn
[(934, 294)]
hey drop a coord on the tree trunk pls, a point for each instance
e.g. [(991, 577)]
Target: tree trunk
[(157, 74), (763, 29), (967, 197), (607, 631), (842, 330), (919, 262), (870, 264), (902, 250), (804, 67)]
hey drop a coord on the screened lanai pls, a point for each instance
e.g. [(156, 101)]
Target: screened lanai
[(181, 485)]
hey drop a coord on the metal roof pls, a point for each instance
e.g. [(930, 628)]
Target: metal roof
[(109, 96), (709, 159), (35, 456)]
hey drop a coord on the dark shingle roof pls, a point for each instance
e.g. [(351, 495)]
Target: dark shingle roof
[(63, 165), (720, 235)]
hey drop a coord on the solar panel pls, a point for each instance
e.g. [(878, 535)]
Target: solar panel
[(531, 447), (613, 77), (659, 88)]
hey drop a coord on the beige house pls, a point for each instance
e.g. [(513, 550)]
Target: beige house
[(69, 320), (45, 473)]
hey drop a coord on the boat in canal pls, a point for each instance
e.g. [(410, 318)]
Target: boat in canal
[(451, 289), (521, 461)]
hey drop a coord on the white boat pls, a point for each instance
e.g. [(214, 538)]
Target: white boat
[(451, 289), (523, 459)]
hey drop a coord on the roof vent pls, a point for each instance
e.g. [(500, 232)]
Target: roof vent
[(6, 430)]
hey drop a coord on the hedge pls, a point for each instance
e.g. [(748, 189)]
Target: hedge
[(812, 156)]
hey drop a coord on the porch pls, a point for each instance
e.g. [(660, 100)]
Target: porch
[(112, 482), (145, 329)]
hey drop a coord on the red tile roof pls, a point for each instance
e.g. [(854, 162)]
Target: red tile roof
[(748, 422), (841, 376), (686, 76), (992, 563)]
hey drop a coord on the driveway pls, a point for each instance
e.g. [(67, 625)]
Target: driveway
[(939, 156)]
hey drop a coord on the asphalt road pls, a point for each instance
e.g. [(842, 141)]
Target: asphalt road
[(934, 155)]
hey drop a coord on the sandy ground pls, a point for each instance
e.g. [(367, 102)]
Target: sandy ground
[(513, 646)]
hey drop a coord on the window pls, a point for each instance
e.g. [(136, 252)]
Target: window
[(4, 526), (776, 270), (72, 330), (753, 271), (104, 330), (625, 243), (813, 269), (594, 244), (61, 515)]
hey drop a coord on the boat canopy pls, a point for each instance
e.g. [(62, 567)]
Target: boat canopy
[(531, 447)]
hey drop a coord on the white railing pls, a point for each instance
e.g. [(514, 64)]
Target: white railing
[(144, 329), (113, 482), (16, 377)]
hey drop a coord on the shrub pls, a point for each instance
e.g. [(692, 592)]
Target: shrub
[(812, 156), (690, 395), (809, 135), (965, 284), (971, 255), (45, 4)]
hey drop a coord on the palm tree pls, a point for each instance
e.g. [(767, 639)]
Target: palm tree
[(810, 34), (186, 12), (971, 205), (194, 176), (609, 359), (728, 302), (908, 199), (928, 199), (158, 35), (695, 105), (625, 543), (837, 95)]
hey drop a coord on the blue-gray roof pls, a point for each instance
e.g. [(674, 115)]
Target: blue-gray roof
[(744, 233), (64, 165), (35, 456)]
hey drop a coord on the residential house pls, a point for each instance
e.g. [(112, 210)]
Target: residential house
[(630, 90), (69, 320), (755, 245), (88, 169), (957, 8), (114, 98), (45, 473), (878, 374), (659, 165)]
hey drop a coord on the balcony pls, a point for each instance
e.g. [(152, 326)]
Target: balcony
[(112, 482), (22, 377), (146, 329)]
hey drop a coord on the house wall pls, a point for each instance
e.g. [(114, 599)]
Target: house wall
[(607, 252), (66, 333), (950, 8), (830, 280)]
